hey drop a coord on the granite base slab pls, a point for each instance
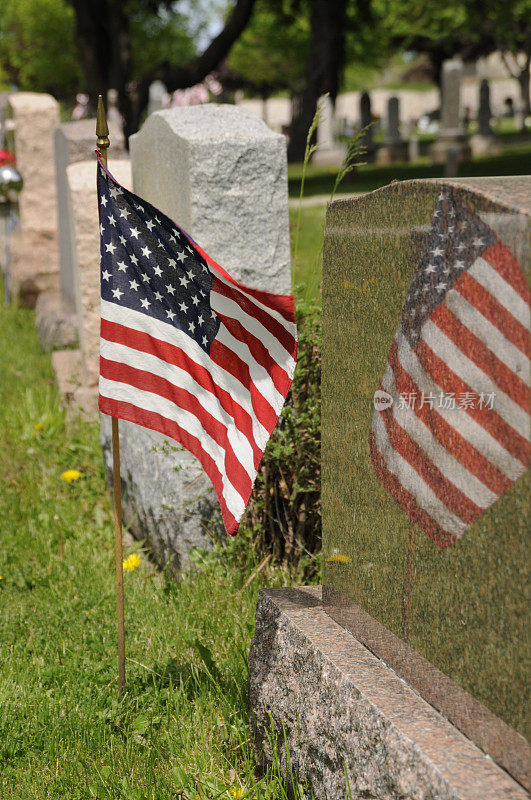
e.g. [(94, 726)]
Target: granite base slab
[(344, 712)]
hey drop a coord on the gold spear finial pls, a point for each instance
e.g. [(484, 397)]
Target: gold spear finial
[(102, 130)]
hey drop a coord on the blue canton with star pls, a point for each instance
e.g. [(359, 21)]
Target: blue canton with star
[(457, 237), (150, 265)]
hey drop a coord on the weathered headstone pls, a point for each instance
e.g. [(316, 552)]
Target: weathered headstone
[(484, 142), (451, 131), (365, 120), (416, 673), (57, 313), (394, 147), (451, 167), (35, 262), (221, 174), (157, 95), (85, 250), (328, 151)]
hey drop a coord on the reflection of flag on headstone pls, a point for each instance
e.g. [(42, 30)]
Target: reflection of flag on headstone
[(185, 349), (456, 435)]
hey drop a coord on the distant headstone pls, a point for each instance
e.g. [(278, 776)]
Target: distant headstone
[(413, 151), (221, 174), (484, 142), (157, 94), (328, 151), (451, 131), (394, 148), (365, 120), (35, 261), (451, 168)]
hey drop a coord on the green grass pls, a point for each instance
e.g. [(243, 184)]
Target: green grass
[(181, 727), (320, 180)]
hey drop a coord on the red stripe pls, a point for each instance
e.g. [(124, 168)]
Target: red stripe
[(450, 496), (447, 436), (239, 369), (280, 378), (504, 262), (283, 303), (406, 501), (148, 419), (500, 430), (147, 382), (288, 342), (479, 353), (171, 354), (494, 311)]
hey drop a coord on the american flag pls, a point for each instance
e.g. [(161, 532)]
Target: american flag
[(451, 427), (185, 349)]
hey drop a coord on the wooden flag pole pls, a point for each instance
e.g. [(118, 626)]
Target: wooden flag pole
[(103, 142)]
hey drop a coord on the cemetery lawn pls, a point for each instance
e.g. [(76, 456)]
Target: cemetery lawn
[(180, 730)]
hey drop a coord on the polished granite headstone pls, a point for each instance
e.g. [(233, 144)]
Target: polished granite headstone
[(425, 427)]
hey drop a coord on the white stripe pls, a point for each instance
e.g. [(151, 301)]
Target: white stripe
[(229, 308), (479, 381), (457, 418), (259, 375), (503, 292), (450, 467), (183, 380), (289, 326), (122, 392), (413, 483), (175, 337), (489, 334)]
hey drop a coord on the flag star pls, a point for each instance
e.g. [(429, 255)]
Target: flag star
[(195, 299), (430, 268), (157, 270), (440, 286), (150, 224), (184, 281), (102, 229), (205, 268), (451, 228), (424, 309), (103, 200), (110, 247), (172, 263), (160, 243), (451, 212), (173, 239), (205, 341), (200, 320), (158, 296), (176, 232), (112, 220), (190, 274), (139, 207), (170, 289), (213, 314), (124, 213), (117, 293), (181, 256), (170, 314), (191, 327), (460, 246), (135, 232), (190, 250), (146, 252), (441, 196), (145, 277), (122, 266), (114, 192), (134, 259), (202, 293), (105, 275), (477, 241), (183, 307), (157, 220), (122, 240), (459, 264), (145, 303), (437, 251), (133, 284)]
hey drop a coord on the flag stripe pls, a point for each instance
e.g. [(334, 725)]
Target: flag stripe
[(451, 437), (495, 285), (170, 382), (488, 333), (481, 356), (504, 262), (288, 324), (494, 312), (157, 422), (168, 354)]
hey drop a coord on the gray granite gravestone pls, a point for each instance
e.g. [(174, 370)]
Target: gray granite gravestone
[(157, 94), (409, 672), (365, 120), (221, 174), (484, 142), (394, 147), (451, 131)]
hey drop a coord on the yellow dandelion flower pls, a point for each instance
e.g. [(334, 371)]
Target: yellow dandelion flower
[(339, 558), (237, 791), (71, 475), (39, 426), (132, 562)]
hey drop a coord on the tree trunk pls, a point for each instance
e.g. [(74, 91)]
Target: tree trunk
[(523, 82), (323, 69)]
